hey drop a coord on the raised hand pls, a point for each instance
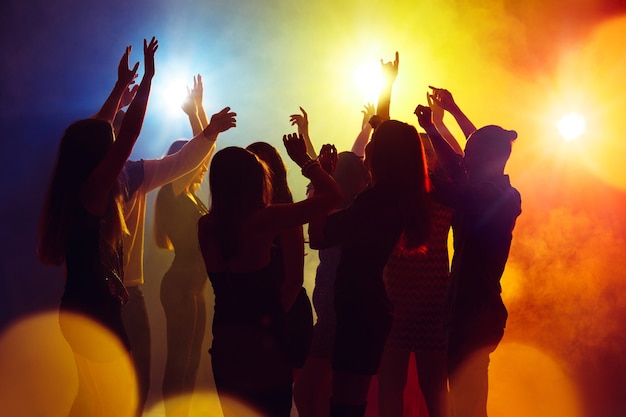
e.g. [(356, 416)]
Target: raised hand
[(296, 148), (221, 122), (436, 109), (198, 90), (128, 95), (328, 158), (368, 112), (125, 75), (390, 70), (149, 48), (424, 116), (189, 105), (443, 98), (375, 121), (300, 120)]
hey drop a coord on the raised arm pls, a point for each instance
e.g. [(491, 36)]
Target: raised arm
[(95, 191), (159, 172), (437, 118), (191, 110), (444, 99), (389, 72), (448, 158), (125, 78), (197, 93), (358, 147), (302, 121), (327, 193)]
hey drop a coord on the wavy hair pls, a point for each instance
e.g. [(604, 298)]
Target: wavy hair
[(239, 184), (277, 170), (82, 147), (397, 161)]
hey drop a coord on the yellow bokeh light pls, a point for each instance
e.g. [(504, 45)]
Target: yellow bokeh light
[(39, 371), (204, 403)]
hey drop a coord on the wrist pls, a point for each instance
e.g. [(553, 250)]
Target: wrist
[(209, 133)]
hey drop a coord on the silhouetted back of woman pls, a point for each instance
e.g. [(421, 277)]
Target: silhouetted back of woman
[(249, 356)]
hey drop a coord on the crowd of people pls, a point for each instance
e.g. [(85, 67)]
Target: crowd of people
[(379, 216)]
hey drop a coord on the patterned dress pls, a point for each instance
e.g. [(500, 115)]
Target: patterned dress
[(417, 284)]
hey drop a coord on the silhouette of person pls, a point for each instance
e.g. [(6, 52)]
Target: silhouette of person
[(417, 285), (249, 353), (289, 251), (313, 387), (367, 231), (177, 211), (141, 177), (486, 209), (82, 226)]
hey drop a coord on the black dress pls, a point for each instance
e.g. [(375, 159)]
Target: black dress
[(248, 353), (367, 232)]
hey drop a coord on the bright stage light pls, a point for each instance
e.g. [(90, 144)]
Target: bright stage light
[(368, 78), (571, 126), (170, 89), (173, 96)]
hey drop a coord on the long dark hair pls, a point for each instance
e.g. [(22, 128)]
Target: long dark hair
[(239, 185), (278, 173), (397, 161), (83, 146)]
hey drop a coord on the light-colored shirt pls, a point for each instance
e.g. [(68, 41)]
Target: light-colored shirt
[(156, 173)]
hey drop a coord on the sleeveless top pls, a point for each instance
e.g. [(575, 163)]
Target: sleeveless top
[(180, 222)]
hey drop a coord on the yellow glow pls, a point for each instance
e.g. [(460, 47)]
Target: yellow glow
[(598, 73), (523, 381), (38, 369), (369, 80), (571, 126), (205, 403)]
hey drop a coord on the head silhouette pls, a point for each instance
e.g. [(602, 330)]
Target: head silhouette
[(395, 157), (83, 146), (487, 151), (278, 173), (351, 175), (239, 185)]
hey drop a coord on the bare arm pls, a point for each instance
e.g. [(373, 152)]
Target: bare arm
[(448, 158), (190, 109), (159, 172), (197, 93), (437, 118), (302, 121), (358, 147), (125, 78), (327, 194), (445, 100), (95, 191), (390, 72)]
